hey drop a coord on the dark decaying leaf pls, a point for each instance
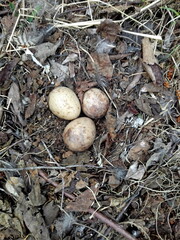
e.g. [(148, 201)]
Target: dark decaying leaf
[(31, 108), (84, 201), (50, 212), (14, 98), (144, 105), (31, 217), (101, 65), (6, 72), (108, 30)]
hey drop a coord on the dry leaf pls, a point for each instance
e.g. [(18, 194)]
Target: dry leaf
[(143, 104), (31, 108), (113, 182), (67, 178), (150, 62), (43, 51), (59, 71), (6, 72), (136, 78), (160, 150), (14, 186), (148, 52), (81, 184), (36, 199), (139, 151), (14, 98), (8, 23), (111, 123), (70, 58), (101, 65), (84, 201), (108, 30), (135, 171)]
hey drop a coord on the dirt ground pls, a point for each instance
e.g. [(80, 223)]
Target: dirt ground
[(126, 184)]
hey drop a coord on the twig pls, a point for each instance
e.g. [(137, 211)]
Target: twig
[(96, 214)]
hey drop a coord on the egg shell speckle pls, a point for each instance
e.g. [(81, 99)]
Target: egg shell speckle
[(95, 103), (79, 134)]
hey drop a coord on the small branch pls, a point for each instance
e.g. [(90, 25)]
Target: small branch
[(96, 214)]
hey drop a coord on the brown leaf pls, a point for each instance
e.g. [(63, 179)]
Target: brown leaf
[(111, 122), (14, 98), (113, 182), (155, 73), (148, 52), (139, 151), (30, 109), (6, 72), (81, 184), (101, 65), (83, 202), (144, 105), (8, 23), (108, 30), (150, 62), (66, 180)]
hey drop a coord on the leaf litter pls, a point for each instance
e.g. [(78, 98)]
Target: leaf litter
[(49, 192)]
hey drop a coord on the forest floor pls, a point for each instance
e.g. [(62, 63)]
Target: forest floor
[(126, 185)]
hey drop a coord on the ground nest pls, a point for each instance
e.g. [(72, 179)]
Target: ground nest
[(126, 184)]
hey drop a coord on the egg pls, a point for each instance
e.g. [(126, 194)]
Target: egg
[(95, 103), (64, 103), (79, 134)]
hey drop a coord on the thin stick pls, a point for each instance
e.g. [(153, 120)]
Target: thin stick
[(150, 5)]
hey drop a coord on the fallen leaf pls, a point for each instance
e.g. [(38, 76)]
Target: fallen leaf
[(113, 182), (8, 23), (67, 178), (31, 107), (6, 72), (100, 65), (136, 78), (50, 212), (14, 185), (160, 150), (3, 137), (136, 171), (144, 105), (108, 30), (148, 52), (36, 198), (111, 123), (150, 87), (70, 58), (84, 201), (43, 51), (150, 62), (59, 71), (31, 218), (139, 151), (81, 184), (14, 98)]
